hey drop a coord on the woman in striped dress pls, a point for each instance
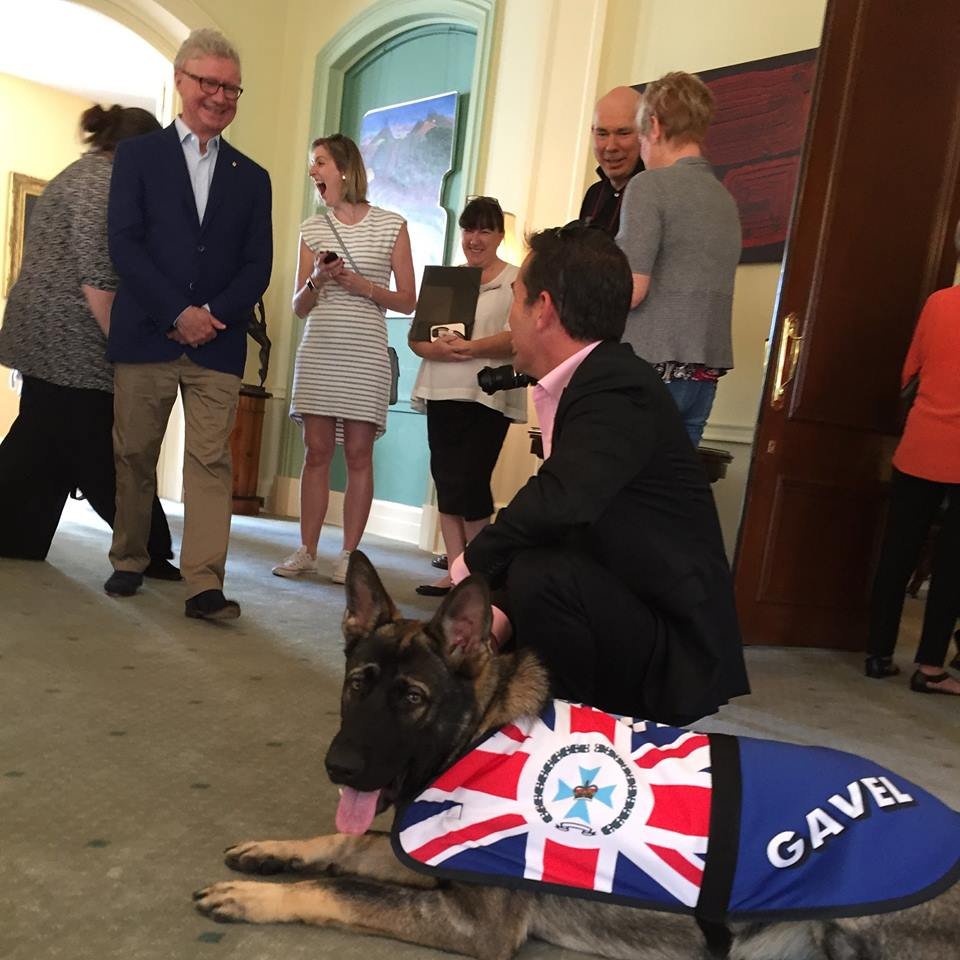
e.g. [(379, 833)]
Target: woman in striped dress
[(341, 379)]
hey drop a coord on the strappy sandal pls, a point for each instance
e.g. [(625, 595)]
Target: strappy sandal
[(924, 683)]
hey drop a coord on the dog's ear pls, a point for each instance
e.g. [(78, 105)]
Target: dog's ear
[(463, 622), (368, 604)]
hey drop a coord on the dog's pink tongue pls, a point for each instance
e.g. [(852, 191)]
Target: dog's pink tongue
[(356, 810)]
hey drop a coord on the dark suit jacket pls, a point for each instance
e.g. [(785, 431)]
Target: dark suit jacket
[(168, 260), (624, 485)]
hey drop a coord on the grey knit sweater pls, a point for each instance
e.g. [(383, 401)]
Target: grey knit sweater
[(680, 227), (48, 330)]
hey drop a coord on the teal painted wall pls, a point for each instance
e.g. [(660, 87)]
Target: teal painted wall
[(419, 63)]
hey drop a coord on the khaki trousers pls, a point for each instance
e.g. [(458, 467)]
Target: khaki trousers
[(144, 393)]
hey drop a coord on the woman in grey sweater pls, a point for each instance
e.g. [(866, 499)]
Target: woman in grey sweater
[(54, 333), (680, 230)]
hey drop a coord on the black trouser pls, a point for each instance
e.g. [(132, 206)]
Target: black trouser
[(595, 636), (465, 440), (914, 505), (61, 441)]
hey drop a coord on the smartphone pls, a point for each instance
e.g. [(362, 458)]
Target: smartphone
[(330, 256)]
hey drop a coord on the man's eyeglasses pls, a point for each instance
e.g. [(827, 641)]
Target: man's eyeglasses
[(210, 86)]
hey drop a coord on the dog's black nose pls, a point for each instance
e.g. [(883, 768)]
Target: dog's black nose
[(344, 763)]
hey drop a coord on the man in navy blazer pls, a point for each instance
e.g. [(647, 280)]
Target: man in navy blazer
[(190, 235), (611, 555)]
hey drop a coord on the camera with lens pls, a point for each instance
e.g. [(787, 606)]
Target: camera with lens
[(492, 379)]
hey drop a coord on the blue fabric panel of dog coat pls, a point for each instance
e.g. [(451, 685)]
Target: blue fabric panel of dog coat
[(581, 802), (828, 833)]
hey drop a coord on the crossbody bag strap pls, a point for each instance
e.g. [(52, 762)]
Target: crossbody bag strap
[(346, 249)]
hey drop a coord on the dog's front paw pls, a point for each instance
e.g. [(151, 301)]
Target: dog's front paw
[(265, 856), (241, 901)]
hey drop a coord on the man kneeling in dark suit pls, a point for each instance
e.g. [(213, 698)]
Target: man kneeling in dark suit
[(611, 556)]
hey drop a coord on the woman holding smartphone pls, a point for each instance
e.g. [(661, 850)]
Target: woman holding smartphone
[(341, 380), (465, 426)]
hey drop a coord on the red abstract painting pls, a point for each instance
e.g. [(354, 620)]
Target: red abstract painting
[(755, 142)]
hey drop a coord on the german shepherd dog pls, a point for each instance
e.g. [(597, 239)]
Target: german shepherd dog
[(415, 696)]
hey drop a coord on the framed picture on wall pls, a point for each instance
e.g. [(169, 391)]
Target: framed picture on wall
[(755, 142), (23, 195), (408, 149)]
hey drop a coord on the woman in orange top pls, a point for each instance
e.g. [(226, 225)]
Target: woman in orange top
[(926, 470)]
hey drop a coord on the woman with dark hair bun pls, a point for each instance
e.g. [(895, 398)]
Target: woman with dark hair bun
[(54, 333), (106, 128)]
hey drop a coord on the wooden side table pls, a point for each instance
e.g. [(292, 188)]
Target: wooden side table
[(245, 449)]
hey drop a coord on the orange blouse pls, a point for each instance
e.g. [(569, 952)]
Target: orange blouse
[(930, 445)]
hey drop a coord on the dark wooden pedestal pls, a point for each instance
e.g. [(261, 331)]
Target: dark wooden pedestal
[(245, 449)]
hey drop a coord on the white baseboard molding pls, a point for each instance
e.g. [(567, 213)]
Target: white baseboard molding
[(395, 521), (430, 538), (729, 433)]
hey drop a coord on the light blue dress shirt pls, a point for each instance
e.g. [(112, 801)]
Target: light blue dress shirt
[(200, 166)]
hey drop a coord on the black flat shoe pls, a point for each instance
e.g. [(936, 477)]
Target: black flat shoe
[(162, 570), (429, 590), (924, 683), (880, 667), (123, 583), (440, 562), (211, 605)]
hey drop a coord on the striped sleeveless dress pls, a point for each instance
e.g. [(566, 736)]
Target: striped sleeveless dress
[(341, 368)]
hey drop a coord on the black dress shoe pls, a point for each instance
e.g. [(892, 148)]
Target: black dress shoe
[(880, 667), (440, 562), (123, 583), (162, 570), (211, 605), (924, 683), (429, 590)]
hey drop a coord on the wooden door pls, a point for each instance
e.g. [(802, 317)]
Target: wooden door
[(872, 236)]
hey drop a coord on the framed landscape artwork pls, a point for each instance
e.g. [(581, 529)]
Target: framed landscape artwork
[(408, 150)]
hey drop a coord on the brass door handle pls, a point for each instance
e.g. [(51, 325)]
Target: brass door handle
[(788, 354)]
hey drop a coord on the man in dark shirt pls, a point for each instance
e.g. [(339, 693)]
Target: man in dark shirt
[(616, 145)]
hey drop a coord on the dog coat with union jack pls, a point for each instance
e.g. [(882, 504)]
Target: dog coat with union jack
[(637, 813)]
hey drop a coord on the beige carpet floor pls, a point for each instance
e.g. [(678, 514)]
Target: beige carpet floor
[(136, 744)]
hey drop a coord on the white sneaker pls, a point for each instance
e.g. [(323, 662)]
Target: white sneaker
[(298, 563), (339, 574)]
